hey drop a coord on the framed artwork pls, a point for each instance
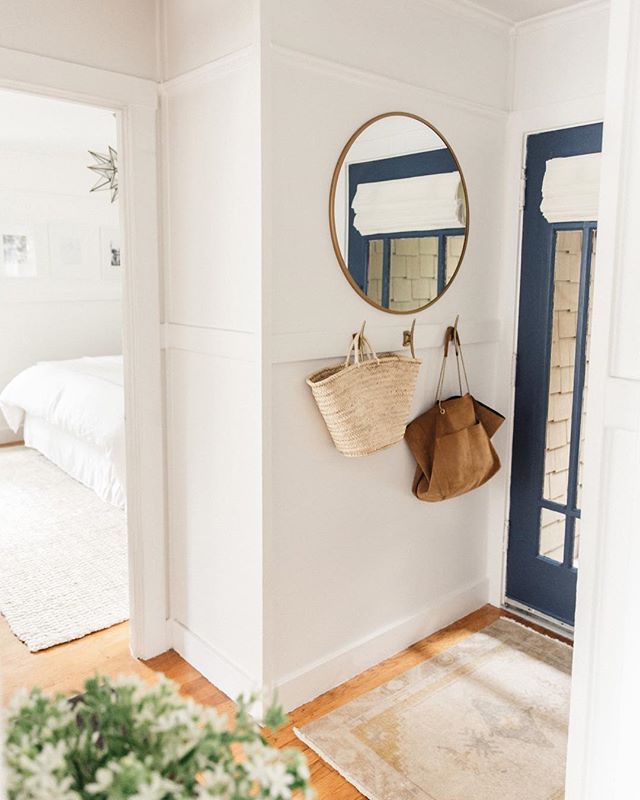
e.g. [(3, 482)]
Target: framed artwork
[(69, 253), (111, 258), (17, 253)]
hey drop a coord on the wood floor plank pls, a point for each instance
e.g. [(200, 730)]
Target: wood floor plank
[(65, 668)]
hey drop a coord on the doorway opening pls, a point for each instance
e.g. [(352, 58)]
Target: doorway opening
[(557, 267), (63, 543)]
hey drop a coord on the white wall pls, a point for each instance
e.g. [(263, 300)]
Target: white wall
[(559, 71), (115, 35), (355, 567), (212, 230), (258, 498), (71, 305), (340, 566), (603, 732)]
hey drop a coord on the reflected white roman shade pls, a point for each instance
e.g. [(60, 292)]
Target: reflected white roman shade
[(423, 203), (570, 189)]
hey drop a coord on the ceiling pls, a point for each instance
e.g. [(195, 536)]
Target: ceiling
[(520, 10)]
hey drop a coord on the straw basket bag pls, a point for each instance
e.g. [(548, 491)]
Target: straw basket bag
[(366, 403)]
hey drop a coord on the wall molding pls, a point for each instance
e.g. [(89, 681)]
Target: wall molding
[(216, 667), (210, 71), (570, 14), (55, 78), (304, 60), (237, 345), (317, 677), (469, 11), (312, 345)]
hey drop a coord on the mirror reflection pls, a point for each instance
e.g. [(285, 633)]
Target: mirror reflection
[(398, 213)]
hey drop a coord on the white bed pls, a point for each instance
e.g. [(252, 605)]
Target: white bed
[(73, 413)]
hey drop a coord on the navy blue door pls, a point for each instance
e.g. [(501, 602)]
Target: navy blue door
[(558, 260)]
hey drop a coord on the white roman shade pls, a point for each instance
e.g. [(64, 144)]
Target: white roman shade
[(570, 189), (423, 203)]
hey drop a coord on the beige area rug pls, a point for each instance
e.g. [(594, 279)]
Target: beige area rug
[(63, 553), (484, 720)]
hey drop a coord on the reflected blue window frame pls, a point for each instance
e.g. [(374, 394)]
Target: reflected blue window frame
[(412, 165), (386, 239)]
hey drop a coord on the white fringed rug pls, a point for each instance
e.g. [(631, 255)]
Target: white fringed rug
[(485, 719), (63, 553)]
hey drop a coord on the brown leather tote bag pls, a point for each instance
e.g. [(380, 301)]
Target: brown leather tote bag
[(452, 441)]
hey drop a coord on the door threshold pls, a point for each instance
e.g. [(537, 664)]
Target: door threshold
[(538, 618)]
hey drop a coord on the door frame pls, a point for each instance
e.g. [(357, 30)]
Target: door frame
[(521, 124), (527, 569), (135, 102)]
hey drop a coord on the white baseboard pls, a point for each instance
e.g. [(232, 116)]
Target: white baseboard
[(318, 677), (216, 667)]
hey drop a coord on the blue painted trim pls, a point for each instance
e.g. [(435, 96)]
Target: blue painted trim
[(537, 581), (387, 238), (442, 263), (560, 508), (386, 273)]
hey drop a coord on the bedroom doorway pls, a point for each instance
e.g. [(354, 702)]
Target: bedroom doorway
[(63, 542), (134, 101)]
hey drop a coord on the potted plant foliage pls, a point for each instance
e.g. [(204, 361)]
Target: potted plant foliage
[(123, 739)]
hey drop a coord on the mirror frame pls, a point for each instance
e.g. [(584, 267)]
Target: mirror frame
[(332, 198)]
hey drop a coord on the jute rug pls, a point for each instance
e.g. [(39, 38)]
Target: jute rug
[(484, 720), (63, 553)]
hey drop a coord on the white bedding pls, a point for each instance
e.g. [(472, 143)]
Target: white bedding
[(73, 412)]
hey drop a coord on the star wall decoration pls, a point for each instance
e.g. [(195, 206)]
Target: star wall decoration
[(106, 167)]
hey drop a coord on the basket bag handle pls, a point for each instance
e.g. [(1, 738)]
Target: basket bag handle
[(361, 349), (452, 335)]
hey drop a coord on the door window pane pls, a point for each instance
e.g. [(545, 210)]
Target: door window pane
[(583, 424), (552, 530), (576, 543), (453, 251), (561, 368), (374, 274), (414, 272)]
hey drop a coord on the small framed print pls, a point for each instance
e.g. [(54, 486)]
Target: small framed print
[(17, 253), (110, 253), (69, 253)]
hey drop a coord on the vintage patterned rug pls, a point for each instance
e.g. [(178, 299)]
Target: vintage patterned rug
[(485, 719)]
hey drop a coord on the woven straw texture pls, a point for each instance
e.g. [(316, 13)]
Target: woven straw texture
[(366, 405), (63, 553)]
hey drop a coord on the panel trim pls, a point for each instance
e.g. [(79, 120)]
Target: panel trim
[(211, 71), (239, 345), (312, 345), (313, 679), (216, 667), (54, 78), (303, 60)]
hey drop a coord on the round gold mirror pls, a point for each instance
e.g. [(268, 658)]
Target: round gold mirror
[(399, 213)]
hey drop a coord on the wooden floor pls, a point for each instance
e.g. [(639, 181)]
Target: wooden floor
[(65, 667)]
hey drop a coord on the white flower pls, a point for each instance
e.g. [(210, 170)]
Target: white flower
[(102, 781), (217, 779), (20, 699), (216, 721), (278, 781), (155, 789)]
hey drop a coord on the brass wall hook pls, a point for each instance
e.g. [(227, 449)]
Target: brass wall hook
[(408, 339)]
